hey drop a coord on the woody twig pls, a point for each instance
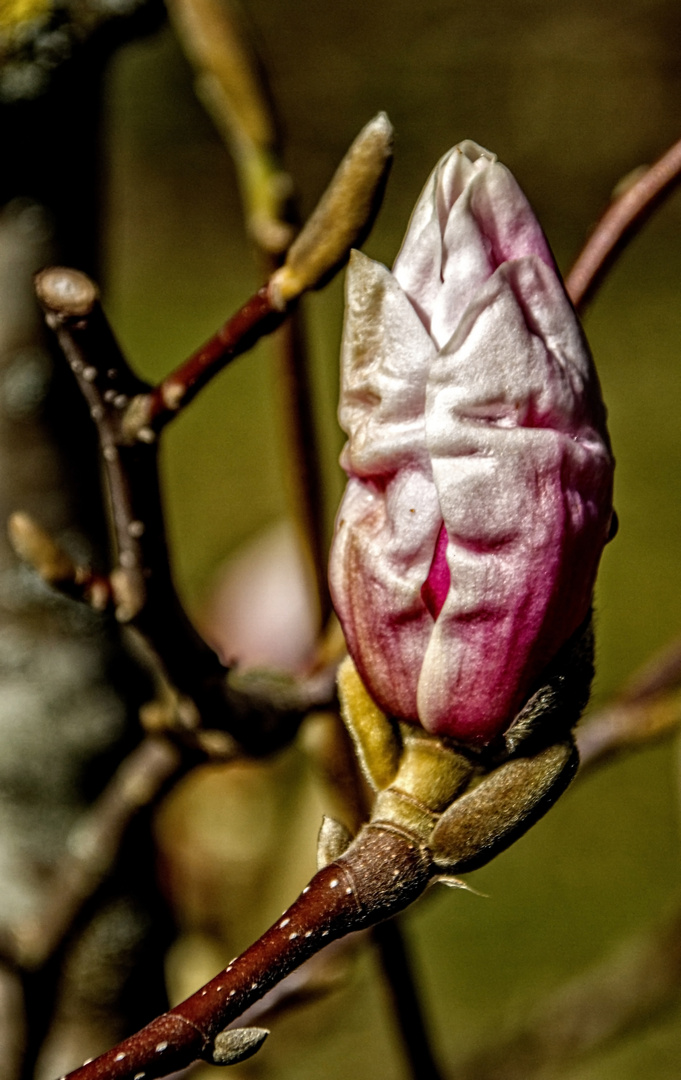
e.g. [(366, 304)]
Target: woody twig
[(621, 221)]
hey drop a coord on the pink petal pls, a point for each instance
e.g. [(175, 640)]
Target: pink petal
[(436, 586), (524, 474), (382, 550)]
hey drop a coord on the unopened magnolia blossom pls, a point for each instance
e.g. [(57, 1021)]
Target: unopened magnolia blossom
[(480, 474)]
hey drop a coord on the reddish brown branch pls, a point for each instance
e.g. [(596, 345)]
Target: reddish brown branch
[(381, 874), (254, 320), (619, 224)]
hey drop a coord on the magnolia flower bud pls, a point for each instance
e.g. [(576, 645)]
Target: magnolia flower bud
[(480, 473)]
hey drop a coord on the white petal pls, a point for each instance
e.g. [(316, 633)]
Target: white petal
[(518, 358), (420, 261), (385, 356)]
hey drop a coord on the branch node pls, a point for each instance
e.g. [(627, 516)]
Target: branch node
[(135, 419)]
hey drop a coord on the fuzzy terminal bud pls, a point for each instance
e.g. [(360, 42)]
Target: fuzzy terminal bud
[(341, 219)]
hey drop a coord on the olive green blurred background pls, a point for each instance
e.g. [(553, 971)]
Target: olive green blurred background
[(571, 97)]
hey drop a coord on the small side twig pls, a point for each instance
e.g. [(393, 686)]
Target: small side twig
[(620, 223), (141, 581), (230, 82)]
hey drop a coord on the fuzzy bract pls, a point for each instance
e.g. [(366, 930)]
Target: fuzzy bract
[(480, 474)]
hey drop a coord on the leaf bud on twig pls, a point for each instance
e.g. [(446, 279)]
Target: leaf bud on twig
[(341, 219)]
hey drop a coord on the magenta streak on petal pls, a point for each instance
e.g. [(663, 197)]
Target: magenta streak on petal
[(436, 586)]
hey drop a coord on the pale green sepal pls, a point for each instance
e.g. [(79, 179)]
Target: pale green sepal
[(486, 820), (376, 737)]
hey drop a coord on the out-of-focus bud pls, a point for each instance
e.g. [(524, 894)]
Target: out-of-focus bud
[(480, 473)]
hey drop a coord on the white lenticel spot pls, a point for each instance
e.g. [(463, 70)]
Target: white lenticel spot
[(218, 989), (283, 923), (334, 883), (160, 1047), (232, 993), (119, 1057), (308, 933), (348, 892), (139, 1076), (254, 986), (90, 374), (292, 936), (87, 1060), (306, 889), (324, 933), (203, 993)]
